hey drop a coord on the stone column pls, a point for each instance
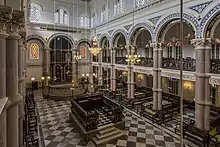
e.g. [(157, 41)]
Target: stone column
[(202, 91), (113, 73), (130, 82), (74, 68), (100, 74), (46, 61), (12, 79), (21, 79), (157, 87), (5, 15)]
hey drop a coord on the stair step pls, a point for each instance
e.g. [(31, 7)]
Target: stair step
[(105, 126), (105, 140), (100, 137), (107, 130)]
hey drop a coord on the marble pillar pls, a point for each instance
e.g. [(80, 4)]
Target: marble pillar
[(157, 83), (21, 80), (113, 73), (46, 61), (12, 79), (100, 72), (74, 68), (130, 65), (202, 91)]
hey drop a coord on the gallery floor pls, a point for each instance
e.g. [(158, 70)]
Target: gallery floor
[(56, 130)]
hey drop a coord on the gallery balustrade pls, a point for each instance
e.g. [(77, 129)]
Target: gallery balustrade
[(120, 60), (147, 62), (189, 64), (106, 59), (215, 66)]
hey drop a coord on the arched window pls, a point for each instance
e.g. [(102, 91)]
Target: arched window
[(139, 3), (35, 12), (34, 51), (61, 17), (84, 21), (119, 7)]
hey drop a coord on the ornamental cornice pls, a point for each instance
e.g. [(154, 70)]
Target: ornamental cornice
[(120, 67), (201, 42), (147, 71), (186, 76), (15, 22), (214, 80), (5, 17)]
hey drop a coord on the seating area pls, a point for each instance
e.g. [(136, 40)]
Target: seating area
[(30, 122)]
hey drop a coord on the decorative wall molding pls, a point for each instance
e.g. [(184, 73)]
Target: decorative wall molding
[(106, 65), (95, 64), (154, 20), (120, 67), (214, 80), (110, 32), (143, 70), (127, 27), (201, 7)]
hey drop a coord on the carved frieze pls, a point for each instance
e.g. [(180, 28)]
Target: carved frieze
[(201, 42), (214, 80), (5, 17), (201, 7), (121, 67), (189, 77)]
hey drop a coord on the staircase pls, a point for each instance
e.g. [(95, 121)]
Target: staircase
[(106, 133)]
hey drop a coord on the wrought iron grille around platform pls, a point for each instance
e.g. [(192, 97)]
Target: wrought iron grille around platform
[(189, 64), (147, 62), (106, 59), (215, 66), (121, 60)]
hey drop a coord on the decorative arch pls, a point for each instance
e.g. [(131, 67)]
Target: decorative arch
[(208, 23), (114, 35), (138, 26), (61, 34), (85, 40), (102, 37), (175, 16), (39, 38)]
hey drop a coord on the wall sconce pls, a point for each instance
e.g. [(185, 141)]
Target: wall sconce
[(140, 77), (48, 78), (124, 73), (187, 85), (32, 78), (42, 78)]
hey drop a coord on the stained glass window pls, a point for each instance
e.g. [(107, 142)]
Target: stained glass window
[(82, 50), (34, 51)]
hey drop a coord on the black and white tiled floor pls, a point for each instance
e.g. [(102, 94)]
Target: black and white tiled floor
[(58, 131)]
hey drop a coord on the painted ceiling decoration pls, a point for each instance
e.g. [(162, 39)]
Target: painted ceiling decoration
[(201, 7), (128, 27), (154, 20), (110, 32)]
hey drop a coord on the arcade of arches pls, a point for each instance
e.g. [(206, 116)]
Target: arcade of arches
[(112, 82)]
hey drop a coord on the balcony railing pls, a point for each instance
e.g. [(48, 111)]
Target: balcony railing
[(106, 59), (147, 62), (120, 60), (95, 59), (215, 66), (189, 64)]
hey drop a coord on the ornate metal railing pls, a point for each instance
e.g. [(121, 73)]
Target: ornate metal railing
[(147, 62), (215, 66), (106, 59), (189, 64), (95, 59), (120, 60)]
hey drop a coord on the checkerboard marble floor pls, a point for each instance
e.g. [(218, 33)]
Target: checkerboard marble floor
[(58, 131)]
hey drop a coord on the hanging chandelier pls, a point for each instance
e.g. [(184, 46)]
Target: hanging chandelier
[(133, 58), (95, 50)]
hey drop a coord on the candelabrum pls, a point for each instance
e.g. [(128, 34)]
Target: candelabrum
[(133, 58), (45, 84)]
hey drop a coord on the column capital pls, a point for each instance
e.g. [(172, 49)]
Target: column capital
[(14, 24), (5, 16), (201, 43), (156, 45)]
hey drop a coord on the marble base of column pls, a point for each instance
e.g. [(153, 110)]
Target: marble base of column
[(207, 116), (155, 100), (3, 125), (160, 99), (199, 113), (132, 91), (13, 125), (21, 119)]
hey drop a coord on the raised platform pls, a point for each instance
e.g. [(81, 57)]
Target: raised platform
[(97, 118)]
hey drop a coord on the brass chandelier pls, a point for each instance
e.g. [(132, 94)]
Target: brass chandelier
[(133, 58), (95, 50)]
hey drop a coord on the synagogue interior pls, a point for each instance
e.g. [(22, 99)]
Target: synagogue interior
[(110, 73)]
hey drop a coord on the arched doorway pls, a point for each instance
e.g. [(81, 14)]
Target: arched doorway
[(61, 59), (169, 35), (119, 43)]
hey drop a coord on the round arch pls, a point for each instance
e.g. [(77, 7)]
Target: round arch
[(102, 41), (83, 40), (210, 22), (136, 28), (101, 37), (64, 35), (162, 25), (39, 38), (115, 35)]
